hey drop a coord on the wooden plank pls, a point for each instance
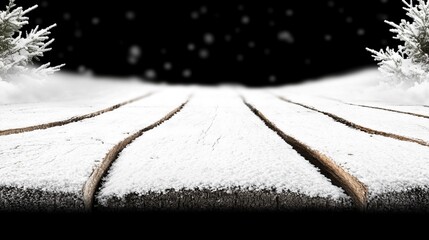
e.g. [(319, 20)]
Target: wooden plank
[(93, 182), (379, 122), (70, 120), (356, 189), (92, 98), (215, 154), (47, 169), (417, 111), (395, 173)]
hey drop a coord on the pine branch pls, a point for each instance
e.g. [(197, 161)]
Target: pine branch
[(411, 61), (17, 52)]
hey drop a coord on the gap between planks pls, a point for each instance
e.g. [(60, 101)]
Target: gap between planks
[(94, 181), (73, 119), (356, 126), (339, 177)]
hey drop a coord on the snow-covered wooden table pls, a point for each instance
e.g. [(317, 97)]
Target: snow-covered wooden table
[(153, 147)]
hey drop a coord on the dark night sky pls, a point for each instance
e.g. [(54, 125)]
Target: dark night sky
[(258, 43)]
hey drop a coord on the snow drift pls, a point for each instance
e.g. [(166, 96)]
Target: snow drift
[(58, 87), (365, 85)]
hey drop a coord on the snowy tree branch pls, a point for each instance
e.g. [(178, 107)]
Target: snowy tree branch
[(18, 52), (410, 63)]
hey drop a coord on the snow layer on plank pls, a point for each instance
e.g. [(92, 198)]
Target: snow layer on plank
[(383, 164), (390, 122), (403, 108), (214, 143), (72, 96), (62, 158)]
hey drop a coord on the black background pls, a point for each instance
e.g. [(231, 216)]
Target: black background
[(261, 43)]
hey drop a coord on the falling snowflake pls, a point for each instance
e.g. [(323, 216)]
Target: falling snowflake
[(130, 15), (209, 38), (168, 66), (328, 37), (349, 19), (95, 21), (286, 36), (195, 15), (191, 47), (150, 74), (187, 73), (66, 16), (245, 20), (204, 53), (134, 54)]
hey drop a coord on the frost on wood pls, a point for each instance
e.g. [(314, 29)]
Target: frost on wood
[(409, 63), (208, 150), (18, 51)]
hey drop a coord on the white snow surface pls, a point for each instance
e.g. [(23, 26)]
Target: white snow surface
[(32, 102), (365, 85), (422, 110), (383, 164), (62, 87), (61, 159), (214, 143), (390, 122)]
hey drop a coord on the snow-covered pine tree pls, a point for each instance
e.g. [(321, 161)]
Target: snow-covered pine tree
[(17, 52), (410, 63)]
